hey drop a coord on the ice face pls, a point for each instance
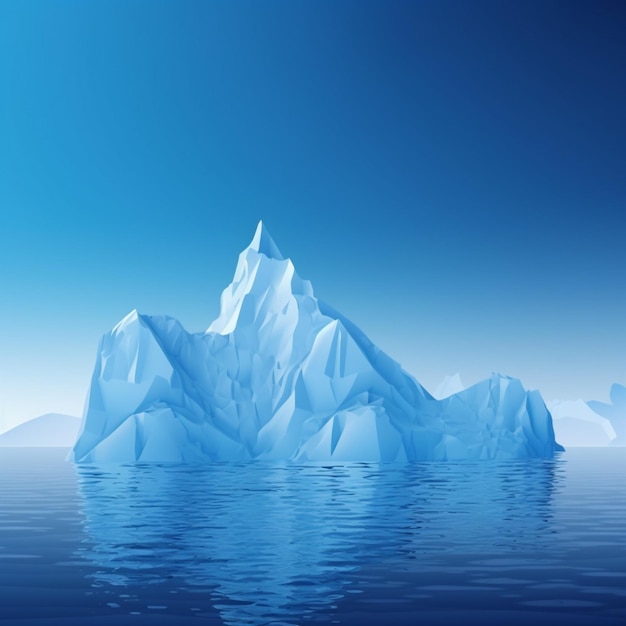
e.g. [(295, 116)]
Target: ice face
[(280, 375)]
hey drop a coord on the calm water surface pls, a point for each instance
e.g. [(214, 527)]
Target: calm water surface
[(533, 542)]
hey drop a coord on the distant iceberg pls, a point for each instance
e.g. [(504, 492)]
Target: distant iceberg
[(279, 375), (46, 431), (449, 386), (576, 425), (615, 412)]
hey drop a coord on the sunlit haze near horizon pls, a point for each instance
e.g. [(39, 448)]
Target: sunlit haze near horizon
[(449, 175)]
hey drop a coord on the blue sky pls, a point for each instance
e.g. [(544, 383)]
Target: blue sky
[(449, 174)]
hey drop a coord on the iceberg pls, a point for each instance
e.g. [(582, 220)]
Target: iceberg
[(449, 386), (280, 375), (576, 425), (615, 412)]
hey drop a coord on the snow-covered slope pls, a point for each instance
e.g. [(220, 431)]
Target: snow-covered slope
[(50, 430), (281, 375)]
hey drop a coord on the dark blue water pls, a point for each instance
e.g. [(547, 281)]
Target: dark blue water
[(534, 542)]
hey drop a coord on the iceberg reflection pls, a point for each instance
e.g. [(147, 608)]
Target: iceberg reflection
[(270, 543)]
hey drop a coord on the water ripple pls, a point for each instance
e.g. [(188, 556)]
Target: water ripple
[(256, 544)]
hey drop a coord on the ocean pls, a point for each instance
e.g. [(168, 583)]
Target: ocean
[(539, 541)]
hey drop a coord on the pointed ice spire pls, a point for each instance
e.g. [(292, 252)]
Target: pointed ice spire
[(264, 244)]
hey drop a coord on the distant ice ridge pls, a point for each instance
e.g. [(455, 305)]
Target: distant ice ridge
[(280, 375), (49, 430)]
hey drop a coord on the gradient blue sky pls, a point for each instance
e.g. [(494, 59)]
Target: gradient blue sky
[(449, 174)]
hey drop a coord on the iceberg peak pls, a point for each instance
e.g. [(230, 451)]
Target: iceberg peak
[(263, 243)]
